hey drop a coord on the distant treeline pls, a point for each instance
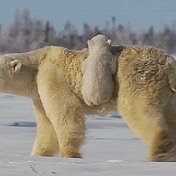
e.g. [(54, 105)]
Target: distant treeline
[(26, 34)]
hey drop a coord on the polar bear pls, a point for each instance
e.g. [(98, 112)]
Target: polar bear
[(52, 77), (147, 98), (98, 69)]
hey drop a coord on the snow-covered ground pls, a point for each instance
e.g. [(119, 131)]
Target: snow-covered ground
[(110, 149)]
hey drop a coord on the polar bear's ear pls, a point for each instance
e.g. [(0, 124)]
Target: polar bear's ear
[(109, 42), (15, 66), (90, 43)]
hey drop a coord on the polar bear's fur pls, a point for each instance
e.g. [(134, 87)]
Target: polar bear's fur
[(52, 77), (98, 69), (147, 98)]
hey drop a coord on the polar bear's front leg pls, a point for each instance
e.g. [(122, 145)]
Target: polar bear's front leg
[(46, 141), (163, 147)]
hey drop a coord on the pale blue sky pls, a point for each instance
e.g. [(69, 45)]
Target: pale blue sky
[(139, 13)]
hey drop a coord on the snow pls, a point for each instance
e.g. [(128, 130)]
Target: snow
[(110, 149)]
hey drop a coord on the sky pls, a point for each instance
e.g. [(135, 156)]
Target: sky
[(140, 14)]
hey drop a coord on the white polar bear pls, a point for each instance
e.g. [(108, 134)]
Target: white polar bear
[(98, 69)]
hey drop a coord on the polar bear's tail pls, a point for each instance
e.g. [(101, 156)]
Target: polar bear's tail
[(172, 72)]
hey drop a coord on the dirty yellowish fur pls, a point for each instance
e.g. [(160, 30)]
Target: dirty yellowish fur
[(52, 77)]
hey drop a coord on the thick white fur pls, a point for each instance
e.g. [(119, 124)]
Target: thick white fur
[(97, 70)]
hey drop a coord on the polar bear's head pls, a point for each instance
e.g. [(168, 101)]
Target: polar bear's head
[(8, 69), (17, 77), (99, 41)]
